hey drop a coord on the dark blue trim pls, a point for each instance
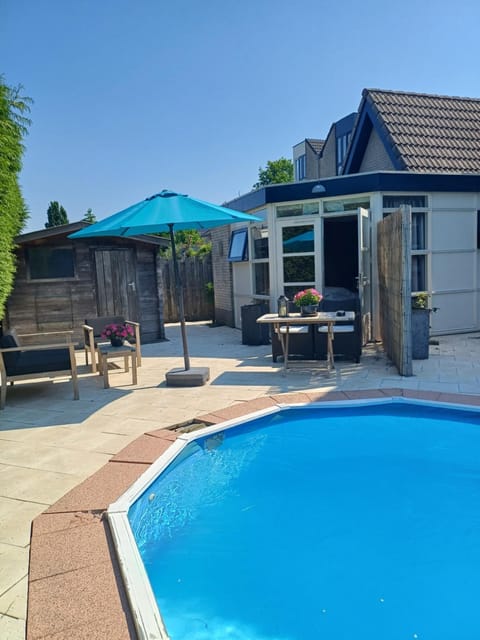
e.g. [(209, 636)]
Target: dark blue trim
[(345, 125), (368, 121), (358, 144), (358, 183)]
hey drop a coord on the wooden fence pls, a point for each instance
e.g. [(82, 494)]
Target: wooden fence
[(394, 274), (196, 273)]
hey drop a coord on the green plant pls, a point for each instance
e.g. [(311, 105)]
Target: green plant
[(307, 296), (420, 300)]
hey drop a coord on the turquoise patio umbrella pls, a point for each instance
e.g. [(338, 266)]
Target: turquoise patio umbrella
[(166, 211)]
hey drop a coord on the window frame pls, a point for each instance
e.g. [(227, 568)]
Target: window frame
[(239, 256), (51, 249)]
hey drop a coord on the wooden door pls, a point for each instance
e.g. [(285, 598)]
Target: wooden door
[(116, 283)]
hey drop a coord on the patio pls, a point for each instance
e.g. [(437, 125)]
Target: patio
[(50, 444)]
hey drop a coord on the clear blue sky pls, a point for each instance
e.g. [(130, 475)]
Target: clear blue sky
[(134, 96)]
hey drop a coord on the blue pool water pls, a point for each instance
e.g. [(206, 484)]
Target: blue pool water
[(340, 524)]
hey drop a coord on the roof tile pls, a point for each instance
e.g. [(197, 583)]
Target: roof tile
[(431, 132)]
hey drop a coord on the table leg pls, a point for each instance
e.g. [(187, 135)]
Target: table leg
[(330, 337), (134, 367), (104, 368)]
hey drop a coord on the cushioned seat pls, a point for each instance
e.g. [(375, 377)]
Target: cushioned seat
[(338, 328), (24, 362), (294, 329), (347, 338)]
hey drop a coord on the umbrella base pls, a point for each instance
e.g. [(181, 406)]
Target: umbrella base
[(194, 377)]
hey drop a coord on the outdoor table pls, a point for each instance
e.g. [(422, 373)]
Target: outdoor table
[(329, 318), (107, 351)]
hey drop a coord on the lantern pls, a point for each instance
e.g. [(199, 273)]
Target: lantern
[(282, 307)]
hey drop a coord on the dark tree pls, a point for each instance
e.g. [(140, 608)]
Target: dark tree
[(56, 215), (89, 216)]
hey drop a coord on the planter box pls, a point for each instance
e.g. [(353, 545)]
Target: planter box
[(420, 333)]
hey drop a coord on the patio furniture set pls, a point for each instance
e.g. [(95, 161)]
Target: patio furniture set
[(26, 362), (336, 330)]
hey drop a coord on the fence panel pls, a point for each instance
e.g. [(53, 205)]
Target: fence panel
[(394, 274), (195, 272)]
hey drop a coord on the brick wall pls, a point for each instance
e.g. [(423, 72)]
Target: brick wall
[(222, 276), (376, 157), (328, 165)]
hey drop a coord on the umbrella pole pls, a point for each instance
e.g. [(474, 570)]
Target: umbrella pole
[(181, 308)]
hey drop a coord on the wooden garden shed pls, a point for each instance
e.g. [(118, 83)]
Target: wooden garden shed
[(61, 281)]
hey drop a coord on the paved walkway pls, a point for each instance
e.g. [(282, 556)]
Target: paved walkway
[(49, 444)]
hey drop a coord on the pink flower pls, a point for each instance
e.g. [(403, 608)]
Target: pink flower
[(117, 330), (307, 296)]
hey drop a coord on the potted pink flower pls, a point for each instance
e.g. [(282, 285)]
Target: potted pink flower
[(117, 333), (308, 301)]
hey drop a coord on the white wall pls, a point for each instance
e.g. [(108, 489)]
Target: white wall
[(454, 262)]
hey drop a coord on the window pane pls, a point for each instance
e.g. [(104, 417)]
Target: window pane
[(418, 230), (260, 243), (50, 262), (291, 210), (418, 273), (299, 269), (238, 246), (332, 206), (298, 239), (262, 280), (392, 202)]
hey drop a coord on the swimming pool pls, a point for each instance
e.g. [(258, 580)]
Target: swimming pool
[(313, 522)]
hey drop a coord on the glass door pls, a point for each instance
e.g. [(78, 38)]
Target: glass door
[(298, 247)]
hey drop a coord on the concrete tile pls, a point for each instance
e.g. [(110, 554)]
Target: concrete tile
[(46, 458), (13, 566), (12, 628), (15, 519), (35, 485), (14, 601)]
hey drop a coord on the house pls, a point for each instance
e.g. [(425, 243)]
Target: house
[(399, 148), (61, 281)]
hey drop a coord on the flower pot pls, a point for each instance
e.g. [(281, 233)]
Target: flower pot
[(308, 310), (116, 341)]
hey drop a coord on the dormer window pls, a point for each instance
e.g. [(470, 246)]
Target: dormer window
[(300, 171), (342, 146)]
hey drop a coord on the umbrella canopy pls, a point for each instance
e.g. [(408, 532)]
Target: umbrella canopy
[(166, 211), (156, 213)]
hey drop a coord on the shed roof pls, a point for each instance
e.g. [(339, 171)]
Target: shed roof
[(67, 229)]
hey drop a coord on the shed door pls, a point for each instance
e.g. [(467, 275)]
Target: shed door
[(116, 283)]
